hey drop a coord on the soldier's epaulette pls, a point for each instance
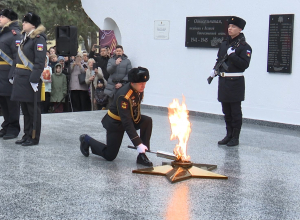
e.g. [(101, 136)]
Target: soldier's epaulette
[(13, 32), (244, 43), (128, 94)]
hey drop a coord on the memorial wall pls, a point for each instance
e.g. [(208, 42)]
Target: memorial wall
[(178, 40)]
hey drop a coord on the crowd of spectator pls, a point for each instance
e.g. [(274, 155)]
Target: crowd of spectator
[(88, 81)]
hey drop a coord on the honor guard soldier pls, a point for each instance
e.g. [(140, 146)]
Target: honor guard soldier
[(231, 90), (124, 114), (10, 38), (27, 83)]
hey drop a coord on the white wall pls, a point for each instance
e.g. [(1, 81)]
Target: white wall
[(176, 70)]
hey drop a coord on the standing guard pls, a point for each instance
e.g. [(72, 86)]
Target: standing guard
[(124, 114), (10, 38), (27, 82), (231, 90)]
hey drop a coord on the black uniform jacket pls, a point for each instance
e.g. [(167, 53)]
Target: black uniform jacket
[(124, 113), (34, 48), (10, 38), (232, 89)]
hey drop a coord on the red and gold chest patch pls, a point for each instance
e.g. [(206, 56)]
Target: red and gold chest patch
[(124, 105)]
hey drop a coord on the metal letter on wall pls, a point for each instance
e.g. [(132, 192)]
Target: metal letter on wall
[(280, 47), (206, 31)]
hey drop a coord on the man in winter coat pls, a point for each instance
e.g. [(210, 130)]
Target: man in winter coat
[(123, 115), (231, 90), (118, 67), (10, 39), (27, 79)]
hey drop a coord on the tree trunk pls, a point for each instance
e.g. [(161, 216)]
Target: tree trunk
[(93, 37)]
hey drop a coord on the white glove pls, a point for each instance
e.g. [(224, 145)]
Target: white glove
[(34, 86), (142, 149), (11, 80), (230, 51), (213, 73)]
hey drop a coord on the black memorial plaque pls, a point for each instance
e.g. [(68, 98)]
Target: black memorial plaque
[(206, 31), (280, 46)]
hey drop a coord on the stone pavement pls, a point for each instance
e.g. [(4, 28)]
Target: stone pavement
[(55, 181)]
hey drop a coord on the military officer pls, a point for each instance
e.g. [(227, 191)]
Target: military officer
[(231, 90), (27, 83), (10, 37), (124, 115)]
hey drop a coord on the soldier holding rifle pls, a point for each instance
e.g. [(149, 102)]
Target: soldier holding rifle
[(233, 58)]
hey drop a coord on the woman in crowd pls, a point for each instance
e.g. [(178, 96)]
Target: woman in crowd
[(79, 92), (93, 74)]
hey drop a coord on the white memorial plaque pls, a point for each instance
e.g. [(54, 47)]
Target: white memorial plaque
[(161, 30)]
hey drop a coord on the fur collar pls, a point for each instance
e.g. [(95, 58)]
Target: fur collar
[(8, 24), (40, 29)]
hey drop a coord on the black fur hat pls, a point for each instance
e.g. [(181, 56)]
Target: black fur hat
[(10, 14), (32, 18), (241, 23), (137, 75)]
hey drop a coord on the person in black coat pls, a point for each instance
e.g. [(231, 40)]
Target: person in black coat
[(101, 60), (231, 90), (10, 38), (124, 114), (27, 76)]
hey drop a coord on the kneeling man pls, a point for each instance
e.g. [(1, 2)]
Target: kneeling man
[(124, 114)]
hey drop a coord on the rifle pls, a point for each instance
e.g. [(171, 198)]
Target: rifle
[(222, 61)]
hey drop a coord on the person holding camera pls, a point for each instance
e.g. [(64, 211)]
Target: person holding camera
[(101, 60), (118, 67), (79, 91)]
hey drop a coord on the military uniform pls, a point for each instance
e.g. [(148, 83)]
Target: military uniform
[(123, 115), (231, 88), (9, 41), (30, 65)]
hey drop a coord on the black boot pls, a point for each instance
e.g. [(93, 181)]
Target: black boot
[(228, 136), (84, 146), (143, 159), (235, 138)]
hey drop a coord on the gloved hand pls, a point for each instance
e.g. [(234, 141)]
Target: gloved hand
[(11, 80), (213, 73), (34, 86), (230, 51), (142, 149)]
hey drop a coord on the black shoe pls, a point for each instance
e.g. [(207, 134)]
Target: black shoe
[(143, 159), (227, 138), (84, 147), (30, 142), (21, 141), (9, 136), (233, 142), (235, 138), (2, 133)]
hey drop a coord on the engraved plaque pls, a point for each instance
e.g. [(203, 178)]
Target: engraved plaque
[(206, 31), (280, 45)]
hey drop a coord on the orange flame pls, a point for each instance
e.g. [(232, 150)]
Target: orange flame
[(180, 126)]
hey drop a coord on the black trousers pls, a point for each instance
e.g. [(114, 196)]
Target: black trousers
[(80, 100), (232, 114), (114, 139), (28, 112), (11, 115), (46, 104)]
